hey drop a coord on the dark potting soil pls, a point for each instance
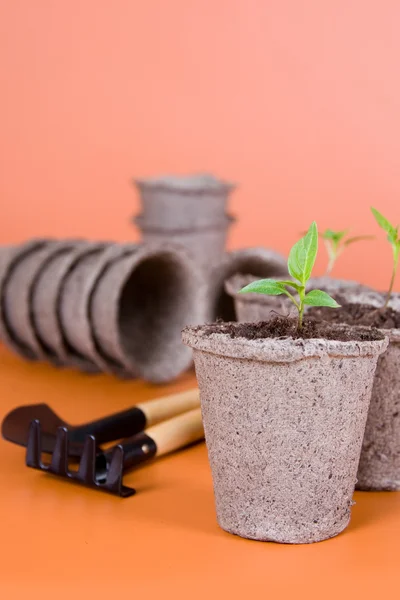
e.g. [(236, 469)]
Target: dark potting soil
[(359, 314), (283, 327)]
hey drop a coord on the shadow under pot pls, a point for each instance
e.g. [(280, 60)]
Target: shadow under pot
[(284, 419), (379, 467), (183, 202), (206, 245), (139, 307)]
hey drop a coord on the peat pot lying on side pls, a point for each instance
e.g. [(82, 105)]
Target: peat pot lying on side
[(284, 420)]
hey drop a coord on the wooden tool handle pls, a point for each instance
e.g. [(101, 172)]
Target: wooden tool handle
[(178, 432), (167, 407)]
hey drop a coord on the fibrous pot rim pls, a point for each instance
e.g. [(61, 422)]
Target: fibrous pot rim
[(283, 349)]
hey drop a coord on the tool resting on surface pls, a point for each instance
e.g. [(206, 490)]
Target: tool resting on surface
[(104, 470), (15, 426), (147, 431)]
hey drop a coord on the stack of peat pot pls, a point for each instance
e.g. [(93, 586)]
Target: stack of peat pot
[(120, 308), (100, 306), (193, 211), (190, 210)]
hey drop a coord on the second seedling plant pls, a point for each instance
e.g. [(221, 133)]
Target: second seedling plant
[(336, 242), (393, 238)]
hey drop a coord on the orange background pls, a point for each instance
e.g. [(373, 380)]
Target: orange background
[(298, 101)]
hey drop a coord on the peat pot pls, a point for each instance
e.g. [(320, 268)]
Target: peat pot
[(252, 307), (379, 467), (258, 262), (284, 420), (206, 245), (176, 202), (15, 286), (138, 306)]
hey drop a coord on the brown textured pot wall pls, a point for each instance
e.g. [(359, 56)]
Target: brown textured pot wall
[(379, 467), (257, 307), (182, 202), (206, 246), (251, 307), (248, 312), (260, 262), (45, 299), (20, 292), (12, 288), (284, 422), (74, 308), (139, 307), (52, 292)]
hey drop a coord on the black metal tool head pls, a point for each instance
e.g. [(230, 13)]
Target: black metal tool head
[(15, 426), (99, 471)]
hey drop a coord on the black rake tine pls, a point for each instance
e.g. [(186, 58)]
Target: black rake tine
[(59, 459), (33, 449), (115, 473), (87, 466), (86, 474), (115, 470)]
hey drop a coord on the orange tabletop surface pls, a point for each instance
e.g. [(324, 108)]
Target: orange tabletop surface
[(59, 539)]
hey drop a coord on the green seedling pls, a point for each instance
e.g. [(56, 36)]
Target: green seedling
[(336, 242), (300, 265), (393, 238)]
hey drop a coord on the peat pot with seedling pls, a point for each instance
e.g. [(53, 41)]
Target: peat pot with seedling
[(257, 306), (379, 467), (284, 406)]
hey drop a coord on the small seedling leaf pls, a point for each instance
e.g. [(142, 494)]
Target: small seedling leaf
[(270, 287), (358, 238), (335, 236), (320, 298), (385, 225), (392, 236), (303, 254), (292, 284)]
